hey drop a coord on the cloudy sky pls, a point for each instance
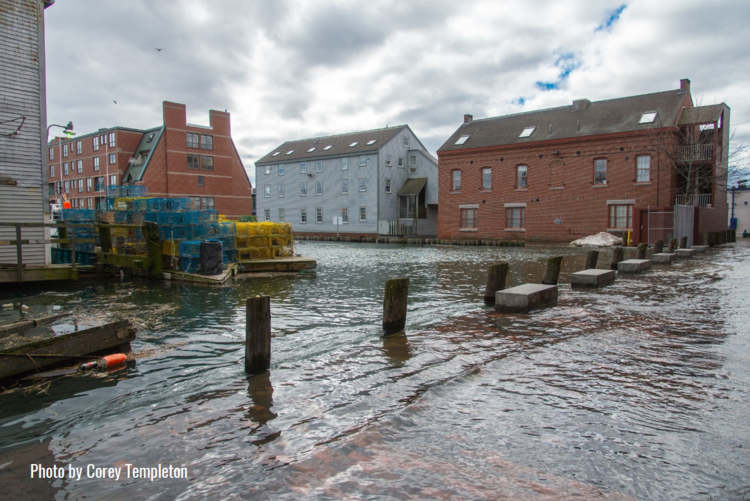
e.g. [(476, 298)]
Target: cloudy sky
[(292, 69)]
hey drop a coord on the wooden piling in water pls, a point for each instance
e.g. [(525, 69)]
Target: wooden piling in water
[(394, 304), (552, 270), (592, 257), (642, 252), (153, 242), (683, 243), (618, 254), (258, 335), (495, 281), (658, 246)]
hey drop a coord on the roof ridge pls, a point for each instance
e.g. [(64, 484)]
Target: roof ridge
[(345, 134)]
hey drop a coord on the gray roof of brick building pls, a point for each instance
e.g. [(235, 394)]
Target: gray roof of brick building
[(598, 117)]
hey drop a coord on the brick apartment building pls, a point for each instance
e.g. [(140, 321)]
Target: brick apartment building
[(562, 173), (175, 159)]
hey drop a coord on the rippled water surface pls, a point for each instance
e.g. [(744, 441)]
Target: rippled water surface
[(638, 390)]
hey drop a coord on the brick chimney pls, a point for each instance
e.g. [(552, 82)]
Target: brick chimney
[(581, 104), (685, 84), (468, 119)]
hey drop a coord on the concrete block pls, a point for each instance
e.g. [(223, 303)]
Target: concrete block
[(634, 266), (684, 253), (700, 248), (662, 258), (592, 278), (525, 298)]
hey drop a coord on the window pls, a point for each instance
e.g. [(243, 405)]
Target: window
[(208, 203), (621, 217), (90, 203), (388, 162), (456, 180), (80, 186), (267, 214), (311, 149), (344, 163), (303, 189), (192, 140), (328, 147), (412, 164), (201, 181), (95, 141), (647, 118), (345, 215), (643, 168), (51, 153), (363, 161), (469, 218), (319, 166), (66, 171), (363, 184), (80, 166), (600, 171), (65, 150), (67, 186), (289, 152), (267, 191), (462, 140), (516, 217), (527, 132), (319, 215), (74, 203), (207, 163), (281, 169), (113, 180), (318, 188), (401, 163), (79, 149), (195, 202), (111, 139), (99, 185), (344, 186), (193, 162), (281, 191), (303, 216), (371, 142), (89, 184), (96, 164), (387, 185), (51, 171), (522, 180), (363, 214), (281, 215), (302, 167), (355, 143), (277, 153), (207, 142), (406, 141), (150, 138), (112, 158)]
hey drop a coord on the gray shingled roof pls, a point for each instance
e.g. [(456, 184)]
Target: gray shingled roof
[(600, 117), (701, 114), (339, 145)]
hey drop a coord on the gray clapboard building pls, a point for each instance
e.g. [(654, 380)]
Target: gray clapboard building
[(368, 183), (23, 125)]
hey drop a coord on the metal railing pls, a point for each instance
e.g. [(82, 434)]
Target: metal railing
[(694, 200), (396, 227), (412, 212), (695, 152)]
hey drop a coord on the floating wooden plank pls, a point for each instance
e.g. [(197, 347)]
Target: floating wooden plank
[(25, 325), (278, 264)]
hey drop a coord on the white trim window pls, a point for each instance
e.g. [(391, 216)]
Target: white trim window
[(344, 164), (388, 162), (456, 175), (51, 153), (51, 172), (363, 160), (113, 180), (363, 214), (96, 143), (388, 185), (303, 167), (486, 178), (412, 164), (281, 215), (67, 186), (345, 215), (281, 190), (303, 189), (303, 216), (522, 176), (66, 170), (643, 168), (267, 191), (319, 166), (281, 169), (621, 217), (406, 141), (319, 215), (268, 170), (80, 166), (363, 184), (400, 163), (318, 188), (600, 171), (112, 158), (80, 186), (111, 139), (79, 147), (96, 164), (89, 184), (267, 214), (65, 150), (344, 186)]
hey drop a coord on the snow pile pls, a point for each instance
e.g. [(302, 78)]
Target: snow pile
[(599, 240)]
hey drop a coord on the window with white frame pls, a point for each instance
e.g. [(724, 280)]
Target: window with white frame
[(344, 186), (456, 180), (80, 166), (387, 185), (96, 163), (281, 169), (363, 214), (303, 189), (303, 216), (600, 171), (281, 215), (112, 158), (515, 217), (527, 131), (486, 178), (66, 171), (193, 140), (412, 164), (74, 202), (303, 167), (89, 184), (90, 203), (318, 188), (461, 140), (400, 163), (363, 184), (113, 180), (267, 191), (522, 180), (281, 190), (79, 147), (469, 218), (51, 171), (268, 169), (647, 118), (51, 153), (344, 163), (406, 141), (621, 217), (388, 162), (67, 186), (319, 215), (355, 143), (319, 166), (65, 150), (267, 214), (111, 139), (96, 143), (643, 168), (363, 161), (80, 186)]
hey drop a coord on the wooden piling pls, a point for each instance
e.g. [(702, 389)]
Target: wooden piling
[(642, 252), (258, 335), (495, 281), (618, 254), (592, 257), (552, 270), (394, 304), (153, 242), (683, 242), (672, 245), (658, 246)]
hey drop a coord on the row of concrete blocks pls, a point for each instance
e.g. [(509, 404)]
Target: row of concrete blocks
[(527, 297)]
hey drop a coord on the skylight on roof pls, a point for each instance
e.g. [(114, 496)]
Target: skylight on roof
[(289, 152), (311, 149), (647, 118), (462, 139), (276, 154), (528, 131), (355, 143), (371, 141), (328, 147)]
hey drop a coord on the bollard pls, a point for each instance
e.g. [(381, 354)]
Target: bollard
[(258, 335), (552, 270), (495, 281), (658, 246), (394, 304), (642, 252), (672, 245), (618, 254), (592, 257), (683, 242)]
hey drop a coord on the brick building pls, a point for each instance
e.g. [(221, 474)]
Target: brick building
[(563, 173), (175, 159)]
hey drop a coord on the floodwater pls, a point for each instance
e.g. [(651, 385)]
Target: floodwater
[(637, 391)]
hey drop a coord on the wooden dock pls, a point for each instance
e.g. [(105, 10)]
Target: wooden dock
[(281, 264)]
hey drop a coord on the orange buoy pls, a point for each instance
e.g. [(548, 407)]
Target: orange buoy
[(111, 361), (66, 205)]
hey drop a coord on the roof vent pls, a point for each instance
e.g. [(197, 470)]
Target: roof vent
[(581, 104)]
